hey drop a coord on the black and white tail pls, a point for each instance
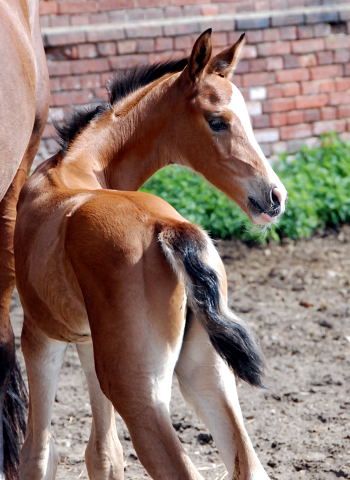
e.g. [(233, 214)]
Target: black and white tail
[(188, 248)]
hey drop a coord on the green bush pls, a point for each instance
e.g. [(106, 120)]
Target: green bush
[(318, 184)]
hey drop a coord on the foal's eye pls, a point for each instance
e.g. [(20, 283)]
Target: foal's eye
[(217, 124)]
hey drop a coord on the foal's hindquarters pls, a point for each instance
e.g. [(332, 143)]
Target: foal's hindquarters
[(119, 266)]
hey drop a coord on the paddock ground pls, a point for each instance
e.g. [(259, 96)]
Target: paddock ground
[(296, 298)]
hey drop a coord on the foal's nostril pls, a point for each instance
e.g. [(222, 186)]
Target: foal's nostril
[(275, 197)]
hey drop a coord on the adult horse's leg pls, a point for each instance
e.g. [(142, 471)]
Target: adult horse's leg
[(209, 385), (13, 397), (43, 357), (104, 453)]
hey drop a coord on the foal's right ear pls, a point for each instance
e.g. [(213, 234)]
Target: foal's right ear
[(200, 55)]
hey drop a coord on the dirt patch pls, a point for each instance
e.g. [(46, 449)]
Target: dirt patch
[(296, 297)]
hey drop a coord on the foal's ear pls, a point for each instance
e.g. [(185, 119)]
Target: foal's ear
[(225, 62), (200, 55)]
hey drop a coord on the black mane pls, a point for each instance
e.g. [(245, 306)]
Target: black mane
[(121, 85)]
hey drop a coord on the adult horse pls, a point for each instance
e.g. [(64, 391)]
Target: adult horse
[(140, 290), (24, 103)]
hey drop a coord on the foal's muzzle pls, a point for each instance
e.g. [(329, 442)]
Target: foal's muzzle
[(266, 208)]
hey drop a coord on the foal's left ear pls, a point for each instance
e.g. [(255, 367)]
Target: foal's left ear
[(225, 62), (200, 55)]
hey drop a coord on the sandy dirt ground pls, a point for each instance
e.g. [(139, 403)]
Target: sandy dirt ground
[(296, 297)]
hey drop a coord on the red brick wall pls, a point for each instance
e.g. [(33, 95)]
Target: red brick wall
[(294, 72)]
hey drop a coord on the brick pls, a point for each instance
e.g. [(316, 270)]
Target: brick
[(322, 30), (60, 99), (178, 29), (342, 84), (107, 49), (294, 118), (55, 84), (288, 33), (98, 18), (328, 71), (209, 10), (261, 121), (335, 42), (324, 58), (105, 35), (173, 11), (163, 43), (59, 20), (278, 105), (278, 119), (66, 38), (88, 65), (245, 66), (88, 50), (321, 17), (254, 108), (292, 75), (344, 111), (287, 19), (249, 51), (258, 79), (91, 81), (47, 8), (252, 36), (305, 31), (257, 93), (266, 148), (307, 46), (79, 19), (328, 113), (295, 131), (59, 68), (104, 5), (70, 82), (312, 115), (183, 42), (341, 55), (274, 63), (279, 147), (145, 45), (77, 7), (123, 62), (311, 101), (329, 126), (127, 46), (272, 48), (257, 65), (267, 135), (271, 35), (253, 23), (317, 86)]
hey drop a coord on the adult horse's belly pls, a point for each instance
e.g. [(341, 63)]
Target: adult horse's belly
[(49, 291)]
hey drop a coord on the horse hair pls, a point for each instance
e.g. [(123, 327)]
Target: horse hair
[(228, 334), (121, 85), (14, 421)]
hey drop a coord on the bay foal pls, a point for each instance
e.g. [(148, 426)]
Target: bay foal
[(116, 271), (24, 93)]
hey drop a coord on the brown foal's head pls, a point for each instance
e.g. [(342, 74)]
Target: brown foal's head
[(216, 137)]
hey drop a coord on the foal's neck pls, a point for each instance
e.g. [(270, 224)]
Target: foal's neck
[(123, 147)]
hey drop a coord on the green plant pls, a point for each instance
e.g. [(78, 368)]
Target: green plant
[(318, 184)]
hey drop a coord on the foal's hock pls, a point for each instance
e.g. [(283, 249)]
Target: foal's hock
[(121, 273)]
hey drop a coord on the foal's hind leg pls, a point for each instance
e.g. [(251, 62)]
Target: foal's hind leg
[(43, 357), (208, 383), (104, 454)]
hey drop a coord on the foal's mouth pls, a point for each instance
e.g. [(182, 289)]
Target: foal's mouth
[(267, 209)]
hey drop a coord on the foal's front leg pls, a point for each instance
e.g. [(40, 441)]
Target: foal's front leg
[(208, 383)]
